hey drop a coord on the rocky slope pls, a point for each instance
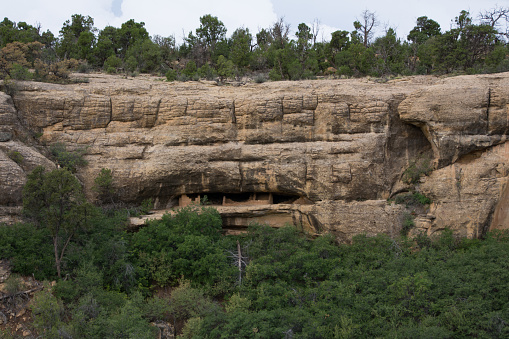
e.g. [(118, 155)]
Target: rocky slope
[(329, 153)]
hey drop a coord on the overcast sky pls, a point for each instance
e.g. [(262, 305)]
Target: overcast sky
[(169, 17)]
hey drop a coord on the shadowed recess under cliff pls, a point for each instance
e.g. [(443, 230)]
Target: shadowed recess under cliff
[(342, 144)]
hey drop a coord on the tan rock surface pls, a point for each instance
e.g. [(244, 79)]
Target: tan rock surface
[(342, 144)]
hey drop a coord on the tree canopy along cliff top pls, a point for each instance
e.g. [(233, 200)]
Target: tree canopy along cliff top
[(472, 45)]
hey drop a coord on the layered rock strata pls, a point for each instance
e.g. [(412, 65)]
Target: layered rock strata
[(340, 146)]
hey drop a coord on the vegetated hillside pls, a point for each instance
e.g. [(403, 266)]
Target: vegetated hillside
[(179, 274)]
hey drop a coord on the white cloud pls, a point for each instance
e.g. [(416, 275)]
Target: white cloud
[(52, 14), (167, 18), (325, 32), (161, 17)]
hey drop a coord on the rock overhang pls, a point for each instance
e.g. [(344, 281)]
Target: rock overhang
[(341, 144)]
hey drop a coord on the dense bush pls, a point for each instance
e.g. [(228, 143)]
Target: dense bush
[(70, 160), (186, 244), (288, 285)]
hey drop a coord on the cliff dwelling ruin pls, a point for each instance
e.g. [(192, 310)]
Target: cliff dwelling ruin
[(325, 156)]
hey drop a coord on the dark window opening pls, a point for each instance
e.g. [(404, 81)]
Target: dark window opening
[(238, 197), (247, 198), (213, 198), (262, 196), (284, 199)]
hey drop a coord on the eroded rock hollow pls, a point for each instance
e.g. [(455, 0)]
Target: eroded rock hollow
[(326, 155)]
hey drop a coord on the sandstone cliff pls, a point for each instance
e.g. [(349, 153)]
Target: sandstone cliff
[(325, 154)]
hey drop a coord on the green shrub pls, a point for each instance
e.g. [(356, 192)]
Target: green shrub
[(412, 199), (29, 250), (182, 78), (171, 75), (260, 79), (103, 185), (190, 69), (192, 328), (19, 72), (408, 224), (207, 72), (70, 160), (84, 67), (131, 64), (417, 169), (274, 74), (47, 312), (187, 302), (185, 243), (111, 70), (146, 206), (129, 323), (113, 62), (344, 70), (16, 156)]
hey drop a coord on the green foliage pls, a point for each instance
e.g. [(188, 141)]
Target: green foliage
[(274, 75), (47, 312), (29, 250), (225, 68), (144, 56), (146, 206), (103, 185), (112, 62), (187, 302), (84, 67), (129, 323), (260, 79), (412, 199), (10, 87), (237, 304), (240, 53), (391, 54), (171, 75), (469, 46), (437, 286), (190, 68), (55, 201), (210, 32), (417, 168), (183, 244), (128, 35), (425, 29), (23, 32), (408, 224), (131, 64), (192, 328), (76, 38), (207, 72), (69, 160), (19, 72), (16, 157)]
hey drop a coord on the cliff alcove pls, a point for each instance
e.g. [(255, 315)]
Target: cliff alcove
[(342, 146)]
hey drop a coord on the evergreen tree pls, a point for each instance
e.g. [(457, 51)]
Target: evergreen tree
[(77, 38), (55, 201)]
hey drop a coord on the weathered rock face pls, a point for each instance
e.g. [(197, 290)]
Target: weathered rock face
[(341, 145), (18, 157), (466, 121)]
